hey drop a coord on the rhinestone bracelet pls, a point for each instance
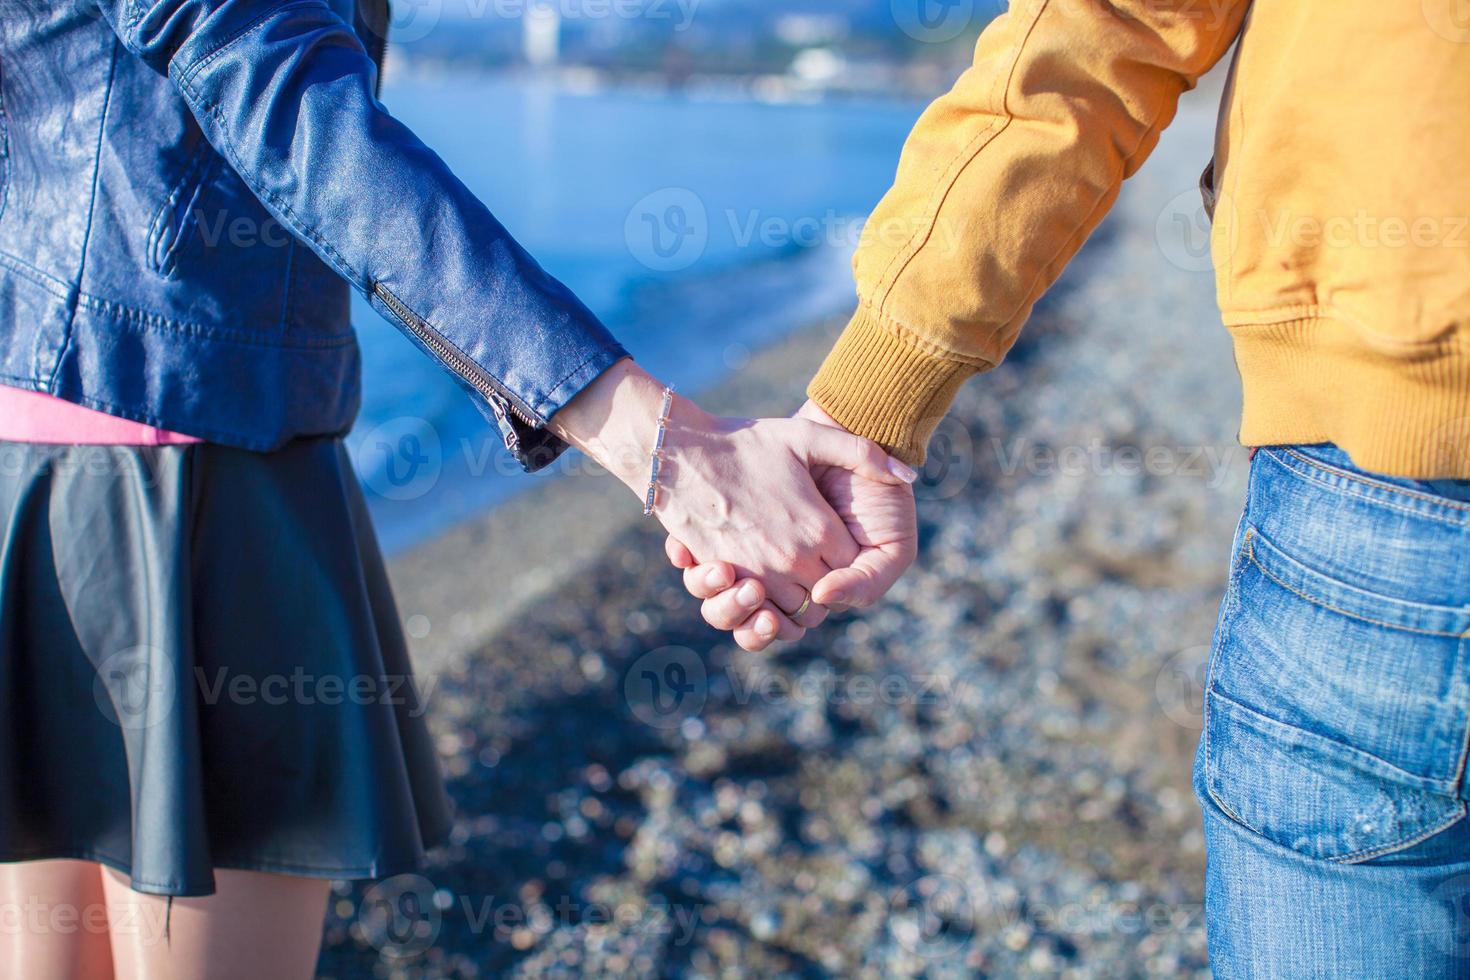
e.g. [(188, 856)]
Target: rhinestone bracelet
[(656, 463)]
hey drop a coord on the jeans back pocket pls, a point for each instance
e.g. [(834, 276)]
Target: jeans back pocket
[(1335, 719), (1314, 795)]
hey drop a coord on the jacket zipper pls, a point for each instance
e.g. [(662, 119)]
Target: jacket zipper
[(502, 402), (375, 20)]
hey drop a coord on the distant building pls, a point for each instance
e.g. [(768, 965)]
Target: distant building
[(807, 30), (541, 38)]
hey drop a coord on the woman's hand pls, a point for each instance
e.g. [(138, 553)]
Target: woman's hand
[(879, 517), (737, 491)]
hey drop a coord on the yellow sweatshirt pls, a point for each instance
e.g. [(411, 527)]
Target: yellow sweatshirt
[(1341, 236)]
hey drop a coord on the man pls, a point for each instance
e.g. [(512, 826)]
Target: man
[(1331, 771)]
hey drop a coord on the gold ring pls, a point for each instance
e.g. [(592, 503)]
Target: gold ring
[(805, 605)]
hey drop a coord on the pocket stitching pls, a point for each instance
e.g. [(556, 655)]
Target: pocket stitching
[(1377, 484), (1423, 784), (1232, 600), (1363, 854), (1251, 535), (1453, 520), (1372, 852), (196, 175)]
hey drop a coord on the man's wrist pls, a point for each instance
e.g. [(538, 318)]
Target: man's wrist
[(813, 412)]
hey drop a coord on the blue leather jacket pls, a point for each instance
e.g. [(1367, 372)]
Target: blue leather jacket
[(187, 188)]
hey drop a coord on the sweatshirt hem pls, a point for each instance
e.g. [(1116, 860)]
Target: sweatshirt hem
[(1401, 411)]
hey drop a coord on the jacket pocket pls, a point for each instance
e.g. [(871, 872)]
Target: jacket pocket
[(176, 218)]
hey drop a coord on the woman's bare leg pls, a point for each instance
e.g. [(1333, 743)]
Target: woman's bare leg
[(255, 925), (54, 921)]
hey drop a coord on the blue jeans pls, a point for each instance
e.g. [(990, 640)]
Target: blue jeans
[(1337, 708)]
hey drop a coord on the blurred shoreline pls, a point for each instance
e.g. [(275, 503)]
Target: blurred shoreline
[(461, 582), (695, 251), (985, 775)]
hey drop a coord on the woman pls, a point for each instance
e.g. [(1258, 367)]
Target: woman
[(203, 685)]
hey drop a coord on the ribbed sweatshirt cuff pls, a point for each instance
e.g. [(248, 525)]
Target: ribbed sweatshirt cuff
[(880, 384)]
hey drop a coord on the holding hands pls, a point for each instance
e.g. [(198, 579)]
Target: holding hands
[(774, 521)]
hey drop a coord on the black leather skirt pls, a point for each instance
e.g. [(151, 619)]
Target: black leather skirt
[(201, 667)]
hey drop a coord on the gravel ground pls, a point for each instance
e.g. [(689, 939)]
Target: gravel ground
[(988, 775)]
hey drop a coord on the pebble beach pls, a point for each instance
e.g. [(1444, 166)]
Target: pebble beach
[(987, 775)]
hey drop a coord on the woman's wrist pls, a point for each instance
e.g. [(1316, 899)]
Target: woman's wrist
[(614, 420)]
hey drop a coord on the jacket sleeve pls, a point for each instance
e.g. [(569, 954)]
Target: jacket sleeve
[(284, 90), (998, 186)]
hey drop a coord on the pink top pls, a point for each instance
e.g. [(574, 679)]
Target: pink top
[(30, 416)]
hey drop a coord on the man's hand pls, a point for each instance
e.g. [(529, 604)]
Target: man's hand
[(881, 518), (749, 492)]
